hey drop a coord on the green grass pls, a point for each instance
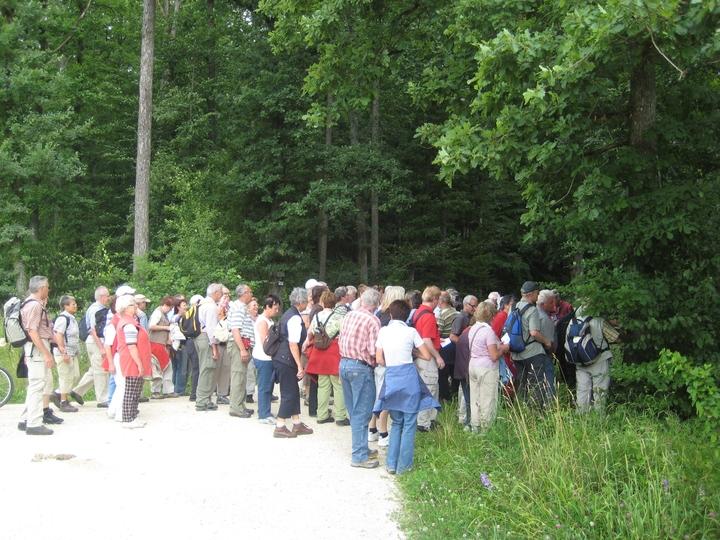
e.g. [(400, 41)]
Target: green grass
[(624, 474)]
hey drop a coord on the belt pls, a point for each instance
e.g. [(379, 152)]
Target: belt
[(363, 362)]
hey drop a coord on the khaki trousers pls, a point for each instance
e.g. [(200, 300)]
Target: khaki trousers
[(95, 375), (207, 371), (484, 384), (429, 374), (593, 382), (251, 378), (68, 373), (40, 382), (238, 378), (222, 371)]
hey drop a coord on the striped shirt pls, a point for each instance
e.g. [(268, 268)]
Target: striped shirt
[(358, 336), (238, 317)]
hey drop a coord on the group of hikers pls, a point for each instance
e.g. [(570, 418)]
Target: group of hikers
[(377, 359)]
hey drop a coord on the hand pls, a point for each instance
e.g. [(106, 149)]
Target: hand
[(440, 363), (245, 356), (49, 362), (300, 373), (111, 368), (66, 358)]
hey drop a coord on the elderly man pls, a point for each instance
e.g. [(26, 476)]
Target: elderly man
[(39, 360), (352, 293), (239, 350), (358, 336), (546, 307), (445, 319), (95, 375), (461, 322), (532, 361), (425, 323), (343, 299), (207, 347)]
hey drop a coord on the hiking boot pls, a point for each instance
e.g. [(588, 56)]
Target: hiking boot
[(22, 425), (157, 395), (222, 400), (55, 399), (77, 397), (328, 420), (244, 414), (50, 418), (38, 430), (66, 407), (171, 395), (367, 464), (302, 429), (249, 399), (343, 422), (372, 453), (103, 405), (141, 399), (284, 433)]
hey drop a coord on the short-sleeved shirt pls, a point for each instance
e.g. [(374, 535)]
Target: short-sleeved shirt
[(131, 334), (207, 313), (530, 322), (481, 337), (397, 341), (358, 334), (331, 318), (34, 317), (66, 325), (445, 321), (426, 324), (460, 323), (547, 326), (90, 318), (239, 319)]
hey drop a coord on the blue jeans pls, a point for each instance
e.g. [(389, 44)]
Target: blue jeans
[(359, 388), (264, 377), (180, 370), (402, 441), (111, 386)]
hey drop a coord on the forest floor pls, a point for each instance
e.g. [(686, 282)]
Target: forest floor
[(187, 475)]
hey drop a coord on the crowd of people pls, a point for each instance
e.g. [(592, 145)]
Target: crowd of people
[(379, 360)]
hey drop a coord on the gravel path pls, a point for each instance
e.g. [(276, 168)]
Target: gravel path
[(187, 475)]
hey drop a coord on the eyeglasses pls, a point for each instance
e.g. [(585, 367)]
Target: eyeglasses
[(474, 306)]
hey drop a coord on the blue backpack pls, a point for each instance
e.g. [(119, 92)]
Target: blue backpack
[(580, 346), (513, 328)]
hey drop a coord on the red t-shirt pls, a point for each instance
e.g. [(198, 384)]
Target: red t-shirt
[(426, 325)]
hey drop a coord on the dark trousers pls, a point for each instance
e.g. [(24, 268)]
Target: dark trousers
[(133, 388), (531, 385), (465, 387), (193, 363), (447, 385), (289, 391), (180, 369), (313, 396)]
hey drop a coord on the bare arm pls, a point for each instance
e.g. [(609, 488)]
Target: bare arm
[(379, 357), (428, 344), (40, 346), (295, 352)]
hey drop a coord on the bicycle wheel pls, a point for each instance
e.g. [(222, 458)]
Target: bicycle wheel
[(7, 386)]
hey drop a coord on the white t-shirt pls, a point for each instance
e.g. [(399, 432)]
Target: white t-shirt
[(294, 326), (258, 353), (397, 341), (109, 335)]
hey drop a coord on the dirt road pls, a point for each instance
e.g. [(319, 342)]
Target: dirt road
[(187, 475)]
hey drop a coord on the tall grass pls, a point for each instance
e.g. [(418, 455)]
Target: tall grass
[(562, 475)]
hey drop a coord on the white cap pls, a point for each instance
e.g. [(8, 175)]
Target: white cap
[(123, 290), (141, 298), (195, 298), (310, 283)]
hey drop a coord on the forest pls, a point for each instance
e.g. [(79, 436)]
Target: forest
[(467, 143)]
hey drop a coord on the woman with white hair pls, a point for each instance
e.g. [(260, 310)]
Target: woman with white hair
[(133, 347)]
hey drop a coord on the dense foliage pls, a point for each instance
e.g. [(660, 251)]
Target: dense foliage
[(472, 143)]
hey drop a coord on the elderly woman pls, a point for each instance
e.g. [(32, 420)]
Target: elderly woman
[(288, 366), (133, 347), (67, 338), (263, 362), (378, 424), (325, 362), (253, 308), (403, 393), (485, 352)]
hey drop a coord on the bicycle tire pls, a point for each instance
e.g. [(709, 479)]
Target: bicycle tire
[(7, 386)]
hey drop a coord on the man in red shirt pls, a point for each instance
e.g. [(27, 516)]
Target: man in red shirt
[(425, 323)]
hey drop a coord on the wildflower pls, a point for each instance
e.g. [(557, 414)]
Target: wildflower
[(485, 479), (712, 515), (666, 485), (592, 523), (557, 526)]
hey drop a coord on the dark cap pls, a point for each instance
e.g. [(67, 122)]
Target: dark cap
[(529, 286)]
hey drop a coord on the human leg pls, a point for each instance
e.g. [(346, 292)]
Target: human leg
[(238, 379), (393, 451), (360, 381), (407, 441), (489, 381), (207, 370), (429, 374), (339, 397), (265, 385), (323, 406), (584, 388)]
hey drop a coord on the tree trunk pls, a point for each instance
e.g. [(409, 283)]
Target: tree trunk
[(21, 281), (374, 202), (360, 223), (142, 171), (323, 232), (212, 70), (643, 99)]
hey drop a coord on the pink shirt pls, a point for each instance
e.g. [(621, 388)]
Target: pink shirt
[(480, 338)]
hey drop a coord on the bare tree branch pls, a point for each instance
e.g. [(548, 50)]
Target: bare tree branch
[(681, 71)]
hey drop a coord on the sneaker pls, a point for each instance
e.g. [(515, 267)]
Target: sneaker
[(274, 398), (192, 398), (77, 397), (384, 442), (284, 433), (104, 405), (249, 399), (244, 414), (141, 399), (391, 471), (302, 429), (328, 420), (66, 407), (367, 464), (222, 400), (269, 420), (22, 425), (372, 453), (372, 437), (171, 395), (50, 418), (55, 399), (343, 422), (208, 407), (137, 423), (157, 395), (38, 430), (423, 429)]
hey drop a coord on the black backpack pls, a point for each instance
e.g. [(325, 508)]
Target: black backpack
[(100, 321), (272, 342)]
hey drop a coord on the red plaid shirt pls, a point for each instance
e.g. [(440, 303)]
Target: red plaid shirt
[(358, 335)]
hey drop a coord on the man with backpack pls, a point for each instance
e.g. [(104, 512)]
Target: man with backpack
[(94, 325), (587, 348), (527, 345), (38, 358)]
